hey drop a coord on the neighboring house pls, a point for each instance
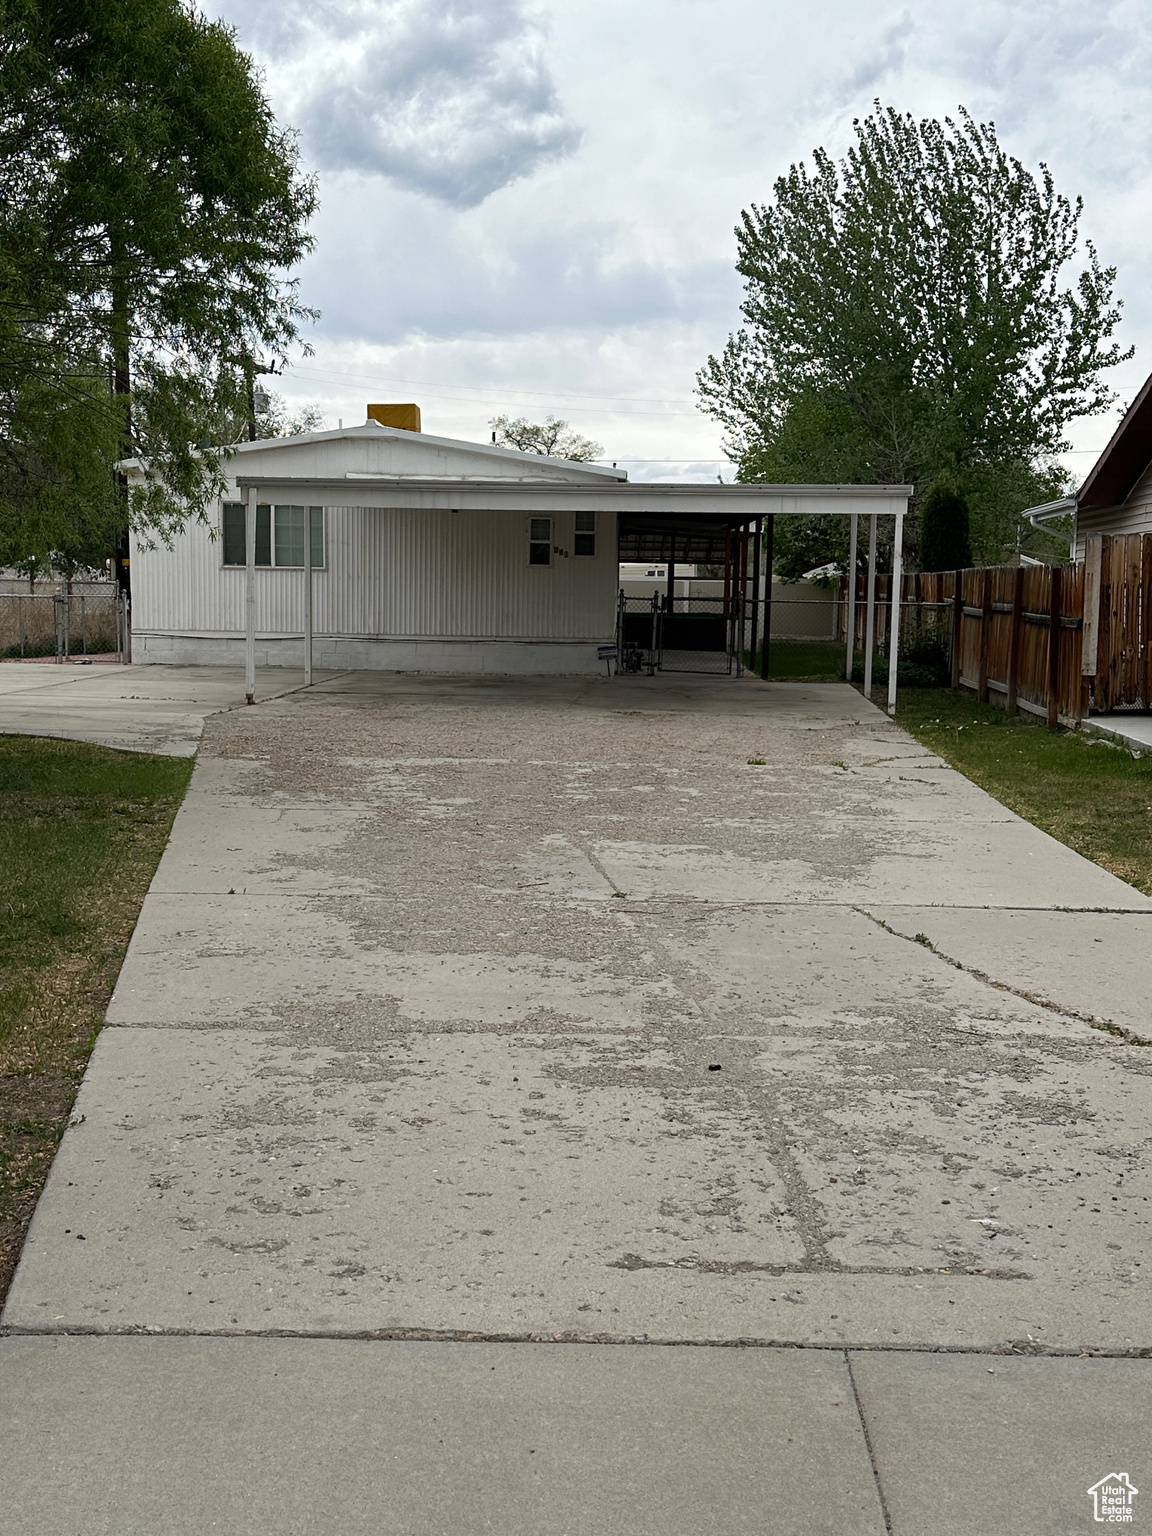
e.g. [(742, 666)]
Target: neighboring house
[(1117, 495), (430, 554)]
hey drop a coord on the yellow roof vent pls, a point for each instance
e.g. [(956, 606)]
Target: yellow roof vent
[(404, 417)]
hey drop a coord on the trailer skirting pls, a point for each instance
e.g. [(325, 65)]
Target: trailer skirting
[(367, 652)]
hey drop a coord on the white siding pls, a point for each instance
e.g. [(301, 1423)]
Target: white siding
[(434, 590), (390, 574), (1133, 515)]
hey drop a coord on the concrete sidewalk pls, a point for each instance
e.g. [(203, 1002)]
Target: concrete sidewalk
[(134, 709), (478, 1029)]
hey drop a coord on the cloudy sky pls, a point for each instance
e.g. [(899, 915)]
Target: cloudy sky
[(529, 208)]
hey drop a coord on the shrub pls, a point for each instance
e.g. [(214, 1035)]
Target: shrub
[(923, 664)]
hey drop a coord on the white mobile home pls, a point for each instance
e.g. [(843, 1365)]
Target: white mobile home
[(428, 554), (397, 587)]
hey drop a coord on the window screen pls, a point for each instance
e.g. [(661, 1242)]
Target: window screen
[(289, 535), (585, 541), (540, 541), (316, 524), (264, 535), (286, 523), (234, 551), (235, 532)]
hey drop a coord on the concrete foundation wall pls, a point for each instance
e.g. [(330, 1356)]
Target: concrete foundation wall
[(505, 657)]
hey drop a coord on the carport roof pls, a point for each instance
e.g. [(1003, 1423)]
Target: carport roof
[(695, 507)]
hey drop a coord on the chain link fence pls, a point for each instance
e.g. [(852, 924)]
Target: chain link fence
[(91, 620), (698, 634), (808, 632)]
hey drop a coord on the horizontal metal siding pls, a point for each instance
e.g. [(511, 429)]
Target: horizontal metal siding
[(394, 574)]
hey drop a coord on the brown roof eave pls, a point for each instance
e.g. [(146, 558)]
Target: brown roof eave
[(1126, 457)]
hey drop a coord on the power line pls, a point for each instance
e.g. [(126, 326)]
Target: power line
[(430, 386)]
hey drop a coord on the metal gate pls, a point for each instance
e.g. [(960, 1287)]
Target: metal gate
[(91, 620), (698, 634)]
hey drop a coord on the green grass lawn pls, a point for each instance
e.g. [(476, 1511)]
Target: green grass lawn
[(1094, 796), (804, 658), (82, 829)]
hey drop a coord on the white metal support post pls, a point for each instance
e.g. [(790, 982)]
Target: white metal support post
[(851, 597), (308, 597), (894, 616), (250, 598), (870, 621)]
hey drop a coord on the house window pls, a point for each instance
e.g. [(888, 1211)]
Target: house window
[(264, 535), (540, 541), (289, 535), (279, 535), (234, 552), (585, 540)]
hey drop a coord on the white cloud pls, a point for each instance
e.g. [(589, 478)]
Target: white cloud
[(468, 237), (450, 98)]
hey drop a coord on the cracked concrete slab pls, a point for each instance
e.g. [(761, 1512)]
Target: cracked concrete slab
[(1092, 964), (404, 1044), (528, 1185)]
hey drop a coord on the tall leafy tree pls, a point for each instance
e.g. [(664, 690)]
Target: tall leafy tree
[(151, 211), (551, 436), (922, 311)]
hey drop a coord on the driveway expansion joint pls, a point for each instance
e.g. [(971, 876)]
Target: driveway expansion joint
[(867, 1433), (1010, 1349)]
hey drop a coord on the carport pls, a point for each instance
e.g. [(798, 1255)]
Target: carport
[(732, 525)]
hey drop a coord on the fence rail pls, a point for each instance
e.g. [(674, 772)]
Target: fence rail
[(1055, 641), (1014, 632)]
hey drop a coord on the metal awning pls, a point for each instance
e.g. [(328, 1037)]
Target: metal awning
[(736, 505)]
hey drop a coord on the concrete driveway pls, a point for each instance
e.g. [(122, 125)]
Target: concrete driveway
[(478, 1036)]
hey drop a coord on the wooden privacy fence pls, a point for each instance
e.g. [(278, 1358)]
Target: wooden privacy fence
[(1016, 631), (1058, 641), (1117, 655), (1013, 632)]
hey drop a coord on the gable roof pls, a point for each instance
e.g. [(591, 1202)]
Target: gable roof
[(375, 448), (1126, 457)]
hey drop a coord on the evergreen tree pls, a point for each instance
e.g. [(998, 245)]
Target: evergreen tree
[(150, 212), (945, 543)]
